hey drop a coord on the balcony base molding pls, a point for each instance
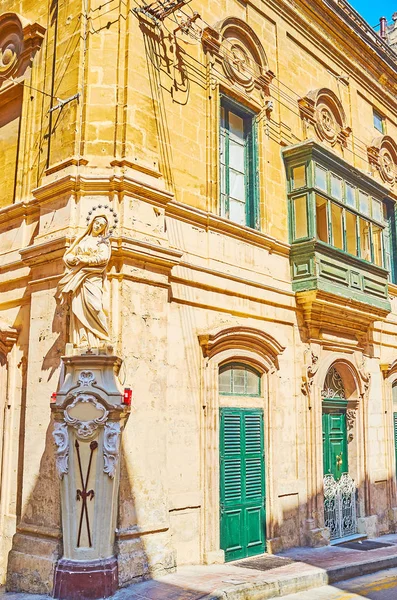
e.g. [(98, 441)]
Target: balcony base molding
[(338, 322)]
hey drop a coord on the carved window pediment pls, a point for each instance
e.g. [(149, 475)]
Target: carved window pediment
[(323, 111), (19, 41), (237, 47), (382, 154)]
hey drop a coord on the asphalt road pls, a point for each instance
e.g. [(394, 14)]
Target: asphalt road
[(378, 586)]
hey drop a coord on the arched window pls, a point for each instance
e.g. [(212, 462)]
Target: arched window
[(238, 379)]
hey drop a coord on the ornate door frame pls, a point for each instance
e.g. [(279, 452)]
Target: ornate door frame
[(240, 344), (352, 369)]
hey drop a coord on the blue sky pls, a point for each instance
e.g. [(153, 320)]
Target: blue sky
[(372, 11)]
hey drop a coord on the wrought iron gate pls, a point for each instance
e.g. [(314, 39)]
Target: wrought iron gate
[(340, 515)]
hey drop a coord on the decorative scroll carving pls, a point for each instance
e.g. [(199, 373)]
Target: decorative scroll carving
[(241, 53), (86, 378), (61, 439), (365, 378), (333, 385), (323, 111), (382, 154), (85, 428), (8, 337), (351, 414), (307, 380), (111, 447), (19, 41)]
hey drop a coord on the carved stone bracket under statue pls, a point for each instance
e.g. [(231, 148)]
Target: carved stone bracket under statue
[(89, 419)]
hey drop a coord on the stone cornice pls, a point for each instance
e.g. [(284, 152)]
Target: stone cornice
[(213, 222), (19, 210), (86, 184), (150, 254), (123, 247), (46, 252)]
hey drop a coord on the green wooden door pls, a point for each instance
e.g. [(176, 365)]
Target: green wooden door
[(335, 443), (242, 483), (395, 437)]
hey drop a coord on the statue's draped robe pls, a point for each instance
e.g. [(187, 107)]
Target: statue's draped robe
[(85, 283)]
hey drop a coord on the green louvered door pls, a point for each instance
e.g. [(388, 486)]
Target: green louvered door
[(242, 482), (395, 437)]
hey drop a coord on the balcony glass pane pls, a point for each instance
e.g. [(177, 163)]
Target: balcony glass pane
[(377, 244), (336, 187), (363, 201), (298, 177), (377, 209), (365, 248), (321, 219), (351, 233), (350, 195), (337, 229), (300, 213), (321, 178)]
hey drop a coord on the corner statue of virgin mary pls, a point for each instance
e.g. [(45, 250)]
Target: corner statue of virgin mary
[(83, 285)]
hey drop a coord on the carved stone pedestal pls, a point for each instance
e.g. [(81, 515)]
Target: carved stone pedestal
[(89, 418)]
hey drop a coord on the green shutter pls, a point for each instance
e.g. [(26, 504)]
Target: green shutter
[(242, 483), (335, 443), (395, 437)]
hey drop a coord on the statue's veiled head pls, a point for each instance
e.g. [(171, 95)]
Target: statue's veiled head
[(99, 225)]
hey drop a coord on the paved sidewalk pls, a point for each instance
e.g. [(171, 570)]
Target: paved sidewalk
[(260, 577)]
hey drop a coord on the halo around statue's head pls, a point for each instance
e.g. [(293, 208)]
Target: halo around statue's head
[(104, 207)]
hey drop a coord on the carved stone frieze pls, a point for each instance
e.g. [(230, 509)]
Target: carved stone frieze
[(323, 111), (61, 439), (111, 447)]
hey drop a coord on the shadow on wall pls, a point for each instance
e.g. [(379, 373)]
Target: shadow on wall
[(37, 545)]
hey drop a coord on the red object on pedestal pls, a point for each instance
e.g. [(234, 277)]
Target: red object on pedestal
[(127, 396), (79, 580), (53, 397)]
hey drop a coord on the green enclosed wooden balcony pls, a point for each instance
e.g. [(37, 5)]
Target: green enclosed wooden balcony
[(342, 233)]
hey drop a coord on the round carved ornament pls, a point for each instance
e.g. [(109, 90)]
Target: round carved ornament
[(239, 64), (387, 166), (10, 49), (326, 123)]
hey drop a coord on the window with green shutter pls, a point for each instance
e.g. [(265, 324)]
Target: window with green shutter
[(238, 165)]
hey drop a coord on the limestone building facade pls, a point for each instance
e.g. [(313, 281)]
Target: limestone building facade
[(248, 150)]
